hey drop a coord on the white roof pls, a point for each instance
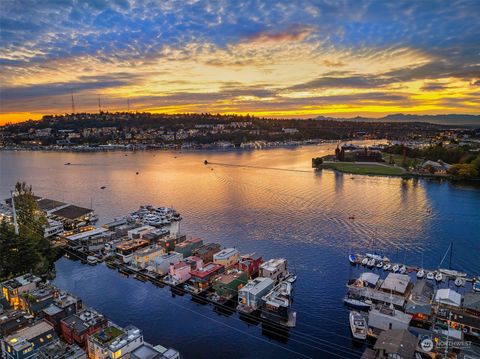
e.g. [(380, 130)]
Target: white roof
[(448, 296), (371, 278), (86, 234)]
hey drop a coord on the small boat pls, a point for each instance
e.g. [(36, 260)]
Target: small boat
[(420, 274), (205, 162), (351, 217), (137, 173), (92, 260), (459, 282), (364, 261), (430, 275), (358, 325), (476, 286), (395, 268), (387, 266), (352, 258), (379, 265), (67, 164), (439, 277), (402, 269), (292, 279), (371, 263), (103, 187), (356, 303)]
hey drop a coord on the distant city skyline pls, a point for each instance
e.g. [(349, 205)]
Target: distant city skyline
[(266, 58)]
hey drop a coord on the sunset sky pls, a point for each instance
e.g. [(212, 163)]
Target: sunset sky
[(269, 58)]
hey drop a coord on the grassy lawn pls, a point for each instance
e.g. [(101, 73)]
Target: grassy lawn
[(398, 159), (364, 169)]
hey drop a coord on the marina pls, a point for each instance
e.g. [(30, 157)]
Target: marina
[(317, 252)]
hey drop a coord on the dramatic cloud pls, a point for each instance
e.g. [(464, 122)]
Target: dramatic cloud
[(272, 58)]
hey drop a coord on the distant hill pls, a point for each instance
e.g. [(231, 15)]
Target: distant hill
[(460, 120)]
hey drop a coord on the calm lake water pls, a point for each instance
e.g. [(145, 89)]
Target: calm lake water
[(270, 202)]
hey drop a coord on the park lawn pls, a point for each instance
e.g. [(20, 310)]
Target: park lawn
[(364, 169)]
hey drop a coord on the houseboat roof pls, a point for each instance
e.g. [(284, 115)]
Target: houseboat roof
[(86, 234), (422, 291), (400, 342), (72, 212), (257, 285), (206, 248), (227, 278), (395, 282), (226, 253), (273, 264), (48, 204), (206, 270), (280, 295), (131, 244), (449, 297)]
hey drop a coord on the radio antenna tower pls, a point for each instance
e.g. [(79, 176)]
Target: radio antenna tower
[(128, 105), (73, 104), (99, 104)]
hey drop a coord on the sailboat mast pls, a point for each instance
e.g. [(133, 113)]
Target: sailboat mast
[(451, 251)]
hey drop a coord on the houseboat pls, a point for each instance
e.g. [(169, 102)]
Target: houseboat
[(227, 285), (275, 269), (250, 296), (276, 305)]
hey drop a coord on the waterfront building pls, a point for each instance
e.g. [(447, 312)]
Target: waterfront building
[(419, 304), (207, 251), (36, 300), (275, 269), (188, 246), (228, 284), (459, 320), (126, 250), (53, 228), (91, 239), (155, 235), (73, 216), (114, 342), (139, 232), (250, 296), (61, 350), (64, 305), (78, 327), (384, 317), (448, 297), (201, 278), (146, 255), (147, 351), (25, 343), (12, 321), (227, 257), (161, 265), (170, 241), (250, 264), (398, 284), (194, 262), (179, 273), (13, 288), (398, 344)]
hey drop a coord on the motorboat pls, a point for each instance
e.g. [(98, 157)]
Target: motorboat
[(371, 263), (92, 260), (476, 286), (379, 265), (364, 261), (395, 268), (459, 282), (439, 277), (420, 274), (358, 325), (356, 303), (430, 275), (402, 269), (291, 279), (387, 266), (352, 258)]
